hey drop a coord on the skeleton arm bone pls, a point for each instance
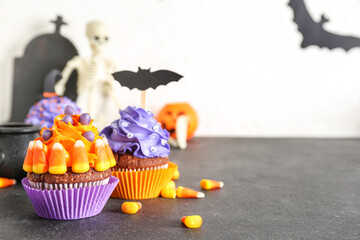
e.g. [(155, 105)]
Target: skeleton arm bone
[(111, 87), (69, 68)]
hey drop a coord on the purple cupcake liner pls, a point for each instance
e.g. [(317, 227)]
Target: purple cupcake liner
[(70, 204)]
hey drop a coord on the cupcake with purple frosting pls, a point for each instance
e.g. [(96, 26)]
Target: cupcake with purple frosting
[(43, 113), (141, 152)]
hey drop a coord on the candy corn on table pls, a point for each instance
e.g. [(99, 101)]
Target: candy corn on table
[(273, 189)]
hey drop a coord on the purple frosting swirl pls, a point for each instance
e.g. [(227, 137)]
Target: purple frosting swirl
[(44, 112), (139, 133)]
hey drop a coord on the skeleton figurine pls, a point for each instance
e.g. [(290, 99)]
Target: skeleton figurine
[(95, 86)]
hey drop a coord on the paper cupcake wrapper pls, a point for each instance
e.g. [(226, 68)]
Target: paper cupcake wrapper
[(116, 169), (56, 186), (142, 184), (69, 204)]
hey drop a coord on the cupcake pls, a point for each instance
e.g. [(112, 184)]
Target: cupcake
[(141, 152), (44, 111), (68, 169)]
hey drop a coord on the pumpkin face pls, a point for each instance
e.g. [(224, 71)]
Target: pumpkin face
[(168, 115)]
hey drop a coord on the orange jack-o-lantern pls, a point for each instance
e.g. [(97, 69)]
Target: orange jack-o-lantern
[(169, 114)]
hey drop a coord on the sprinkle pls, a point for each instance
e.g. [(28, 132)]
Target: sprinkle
[(194, 221), (129, 135), (153, 149), (156, 128), (131, 207), (163, 141), (125, 124)]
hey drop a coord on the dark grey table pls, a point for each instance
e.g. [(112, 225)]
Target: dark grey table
[(274, 189)]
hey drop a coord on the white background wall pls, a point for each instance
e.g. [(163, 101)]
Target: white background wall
[(244, 71)]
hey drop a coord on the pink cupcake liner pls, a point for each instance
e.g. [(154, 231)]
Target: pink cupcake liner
[(69, 204)]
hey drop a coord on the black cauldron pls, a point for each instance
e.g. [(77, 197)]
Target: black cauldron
[(14, 140)]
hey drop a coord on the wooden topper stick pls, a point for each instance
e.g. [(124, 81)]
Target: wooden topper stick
[(143, 99)]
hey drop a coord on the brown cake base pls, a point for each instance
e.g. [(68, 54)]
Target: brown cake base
[(129, 161), (70, 177)]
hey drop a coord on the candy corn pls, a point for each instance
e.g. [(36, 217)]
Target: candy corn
[(176, 175), (80, 160), (210, 184), (131, 207), (109, 152), (171, 184), (183, 192), (67, 158), (28, 162), (168, 193), (5, 182), (194, 221), (102, 162), (57, 161), (40, 164)]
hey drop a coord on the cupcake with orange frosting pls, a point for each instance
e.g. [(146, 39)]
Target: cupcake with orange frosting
[(141, 153), (68, 168)]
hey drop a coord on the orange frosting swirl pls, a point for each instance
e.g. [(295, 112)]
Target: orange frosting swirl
[(96, 154), (68, 134)]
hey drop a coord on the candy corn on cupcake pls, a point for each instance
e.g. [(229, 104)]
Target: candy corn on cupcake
[(141, 153), (68, 169)]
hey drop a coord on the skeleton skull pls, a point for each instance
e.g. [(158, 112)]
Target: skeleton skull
[(98, 35)]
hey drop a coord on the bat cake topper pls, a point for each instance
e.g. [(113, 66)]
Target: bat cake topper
[(144, 79)]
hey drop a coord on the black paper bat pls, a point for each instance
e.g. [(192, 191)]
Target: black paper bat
[(314, 33), (144, 79)]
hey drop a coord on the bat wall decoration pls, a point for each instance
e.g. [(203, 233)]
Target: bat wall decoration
[(314, 33)]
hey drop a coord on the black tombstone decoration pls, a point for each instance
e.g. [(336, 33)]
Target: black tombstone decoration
[(41, 55), (314, 32)]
